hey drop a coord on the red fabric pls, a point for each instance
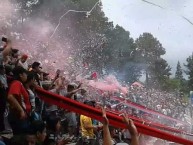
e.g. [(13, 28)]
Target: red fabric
[(5, 45), (18, 90), (156, 125), (114, 120), (94, 75), (24, 56)]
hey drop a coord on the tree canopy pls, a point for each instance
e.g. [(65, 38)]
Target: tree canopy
[(88, 37), (189, 71)]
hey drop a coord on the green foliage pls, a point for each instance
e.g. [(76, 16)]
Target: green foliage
[(96, 41), (172, 84), (120, 45), (149, 51), (189, 71), (106, 47), (179, 72), (160, 73), (149, 48)]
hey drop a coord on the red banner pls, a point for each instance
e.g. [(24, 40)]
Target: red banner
[(155, 125), (114, 120)]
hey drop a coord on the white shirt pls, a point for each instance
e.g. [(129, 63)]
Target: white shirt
[(24, 65), (3, 80), (164, 111), (32, 99)]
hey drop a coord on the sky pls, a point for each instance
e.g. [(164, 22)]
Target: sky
[(167, 25)]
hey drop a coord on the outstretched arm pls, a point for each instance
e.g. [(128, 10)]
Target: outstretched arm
[(106, 133), (7, 49), (133, 130), (69, 94)]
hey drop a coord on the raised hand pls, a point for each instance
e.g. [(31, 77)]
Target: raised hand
[(105, 120), (79, 86), (131, 126), (106, 133)]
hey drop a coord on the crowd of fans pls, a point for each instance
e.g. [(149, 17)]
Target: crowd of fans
[(170, 104), (33, 122), (167, 103), (151, 106)]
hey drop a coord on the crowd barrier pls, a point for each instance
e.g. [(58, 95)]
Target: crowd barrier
[(155, 125), (114, 120)]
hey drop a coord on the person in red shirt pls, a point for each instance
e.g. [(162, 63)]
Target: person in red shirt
[(19, 101)]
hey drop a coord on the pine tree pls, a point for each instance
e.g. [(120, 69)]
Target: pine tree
[(149, 52), (189, 71), (179, 72)]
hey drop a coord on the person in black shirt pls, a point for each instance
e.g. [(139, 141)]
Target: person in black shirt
[(36, 69), (38, 75)]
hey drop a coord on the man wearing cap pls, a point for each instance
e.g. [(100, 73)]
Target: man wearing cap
[(23, 61)]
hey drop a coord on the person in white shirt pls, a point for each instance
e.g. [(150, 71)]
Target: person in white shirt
[(23, 61)]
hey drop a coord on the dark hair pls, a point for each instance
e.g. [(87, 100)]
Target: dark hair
[(8, 70), (90, 103), (17, 71), (35, 64), (30, 77), (52, 121), (2, 67), (4, 39), (14, 51), (70, 86), (37, 126), (111, 128)]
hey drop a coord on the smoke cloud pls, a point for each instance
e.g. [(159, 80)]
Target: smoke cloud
[(109, 83)]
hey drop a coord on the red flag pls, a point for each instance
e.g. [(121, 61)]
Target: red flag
[(94, 76)]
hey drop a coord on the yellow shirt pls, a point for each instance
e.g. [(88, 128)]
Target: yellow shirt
[(86, 132)]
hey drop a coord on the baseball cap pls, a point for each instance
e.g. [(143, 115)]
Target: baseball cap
[(36, 64), (24, 56)]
